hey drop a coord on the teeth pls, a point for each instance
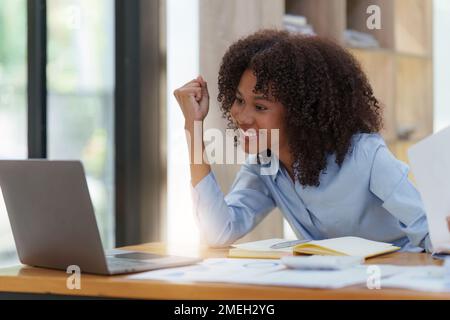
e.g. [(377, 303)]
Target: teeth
[(249, 133)]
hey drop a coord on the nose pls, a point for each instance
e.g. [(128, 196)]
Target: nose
[(244, 119)]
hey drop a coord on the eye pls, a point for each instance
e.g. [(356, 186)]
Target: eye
[(260, 108)]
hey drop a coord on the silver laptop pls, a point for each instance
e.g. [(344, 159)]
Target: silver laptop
[(54, 225)]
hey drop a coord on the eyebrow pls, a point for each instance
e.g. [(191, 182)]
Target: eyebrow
[(255, 97)]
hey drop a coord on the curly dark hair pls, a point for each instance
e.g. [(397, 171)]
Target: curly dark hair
[(323, 88)]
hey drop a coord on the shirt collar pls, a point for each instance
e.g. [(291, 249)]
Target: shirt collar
[(270, 164)]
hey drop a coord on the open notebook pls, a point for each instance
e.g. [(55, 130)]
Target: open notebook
[(344, 246)]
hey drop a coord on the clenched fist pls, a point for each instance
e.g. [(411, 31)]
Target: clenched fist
[(193, 99)]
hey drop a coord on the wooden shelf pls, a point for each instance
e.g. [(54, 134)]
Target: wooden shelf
[(357, 20), (400, 70), (414, 96), (379, 66), (406, 25), (326, 17), (413, 26), (393, 52)]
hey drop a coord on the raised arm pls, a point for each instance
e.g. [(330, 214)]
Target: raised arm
[(222, 219), (193, 99)]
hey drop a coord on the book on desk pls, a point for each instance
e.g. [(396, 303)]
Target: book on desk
[(343, 246)]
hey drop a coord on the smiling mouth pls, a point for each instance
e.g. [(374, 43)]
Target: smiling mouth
[(249, 133)]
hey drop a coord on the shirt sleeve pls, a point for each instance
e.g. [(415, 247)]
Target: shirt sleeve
[(389, 182), (224, 219)]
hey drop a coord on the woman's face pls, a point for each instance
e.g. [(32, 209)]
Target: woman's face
[(252, 113)]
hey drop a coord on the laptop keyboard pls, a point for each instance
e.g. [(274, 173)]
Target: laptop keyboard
[(115, 263)]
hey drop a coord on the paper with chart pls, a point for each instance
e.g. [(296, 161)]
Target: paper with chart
[(430, 164), (215, 270), (421, 278), (264, 272)]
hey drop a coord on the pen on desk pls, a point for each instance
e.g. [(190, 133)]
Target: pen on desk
[(287, 244)]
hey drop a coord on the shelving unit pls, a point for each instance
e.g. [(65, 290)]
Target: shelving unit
[(400, 70)]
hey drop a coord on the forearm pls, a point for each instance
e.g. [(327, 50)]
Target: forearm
[(224, 219), (198, 166)]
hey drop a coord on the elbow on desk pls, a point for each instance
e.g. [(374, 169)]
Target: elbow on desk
[(219, 239), (218, 242)]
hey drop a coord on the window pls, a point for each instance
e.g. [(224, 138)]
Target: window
[(95, 73), (13, 102), (80, 80)]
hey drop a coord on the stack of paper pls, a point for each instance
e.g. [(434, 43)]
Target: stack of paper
[(263, 272), (295, 23), (359, 39)]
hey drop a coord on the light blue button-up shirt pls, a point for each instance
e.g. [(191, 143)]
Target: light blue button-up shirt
[(369, 196)]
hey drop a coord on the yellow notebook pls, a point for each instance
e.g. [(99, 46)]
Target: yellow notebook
[(344, 246)]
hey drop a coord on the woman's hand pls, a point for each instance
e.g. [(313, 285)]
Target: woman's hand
[(193, 99)]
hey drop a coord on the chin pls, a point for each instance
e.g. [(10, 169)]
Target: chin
[(251, 151)]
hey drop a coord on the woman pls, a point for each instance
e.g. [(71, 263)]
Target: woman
[(334, 175)]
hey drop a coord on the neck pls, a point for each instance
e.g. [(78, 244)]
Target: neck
[(287, 160)]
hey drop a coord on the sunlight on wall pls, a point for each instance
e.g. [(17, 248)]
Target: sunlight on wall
[(182, 66), (288, 233), (441, 52)]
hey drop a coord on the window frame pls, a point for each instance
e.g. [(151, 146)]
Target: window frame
[(37, 78), (140, 170)]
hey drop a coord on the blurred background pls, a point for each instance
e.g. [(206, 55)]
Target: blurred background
[(106, 69)]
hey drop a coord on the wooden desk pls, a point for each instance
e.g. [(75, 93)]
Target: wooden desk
[(28, 280)]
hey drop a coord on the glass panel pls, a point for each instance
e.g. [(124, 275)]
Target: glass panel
[(13, 100), (80, 75), (182, 36)]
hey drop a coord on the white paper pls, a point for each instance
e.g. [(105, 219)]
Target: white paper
[(430, 164), (421, 278), (215, 270), (264, 272)]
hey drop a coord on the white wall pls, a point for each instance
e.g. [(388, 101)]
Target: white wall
[(182, 66)]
